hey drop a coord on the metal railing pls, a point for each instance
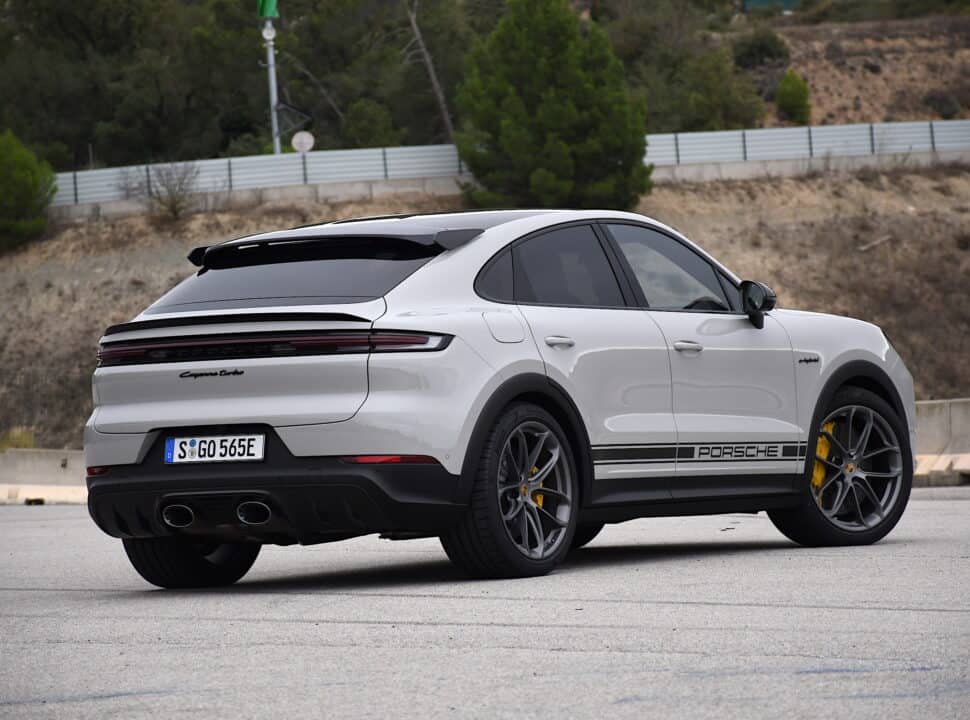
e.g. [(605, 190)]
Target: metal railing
[(425, 161)]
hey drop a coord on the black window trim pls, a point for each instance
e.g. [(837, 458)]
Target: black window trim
[(622, 281), (631, 277)]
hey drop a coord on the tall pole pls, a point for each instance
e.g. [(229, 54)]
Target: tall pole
[(269, 33)]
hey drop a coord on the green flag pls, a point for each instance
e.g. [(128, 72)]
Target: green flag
[(267, 9)]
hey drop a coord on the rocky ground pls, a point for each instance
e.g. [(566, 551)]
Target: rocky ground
[(882, 71), (889, 247)]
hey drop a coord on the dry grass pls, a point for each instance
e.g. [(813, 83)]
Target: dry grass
[(881, 71), (17, 437)]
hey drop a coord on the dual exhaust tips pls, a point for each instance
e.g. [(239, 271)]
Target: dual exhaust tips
[(250, 512)]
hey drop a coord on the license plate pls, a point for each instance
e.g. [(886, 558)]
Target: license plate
[(224, 448)]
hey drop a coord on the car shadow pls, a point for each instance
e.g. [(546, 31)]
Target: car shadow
[(426, 573), (653, 553)]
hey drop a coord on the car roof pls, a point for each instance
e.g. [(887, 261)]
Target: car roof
[(405, 226)]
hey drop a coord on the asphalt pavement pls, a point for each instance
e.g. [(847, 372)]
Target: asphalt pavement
[(711, 617)]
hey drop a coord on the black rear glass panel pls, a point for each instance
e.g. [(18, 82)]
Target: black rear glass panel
[(495, 283), (264, 277)]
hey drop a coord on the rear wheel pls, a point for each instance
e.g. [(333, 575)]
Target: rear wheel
[(183, 563), (858, 479), (585, 532), (522, 514)]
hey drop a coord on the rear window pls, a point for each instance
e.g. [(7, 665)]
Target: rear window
[(276, 279)]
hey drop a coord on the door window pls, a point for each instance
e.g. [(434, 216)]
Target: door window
[(565, 267), (671, 275)]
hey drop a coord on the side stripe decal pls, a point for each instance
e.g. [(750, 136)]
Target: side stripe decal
[(699, 453)]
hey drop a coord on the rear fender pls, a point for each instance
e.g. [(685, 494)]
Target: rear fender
[(538, 389)]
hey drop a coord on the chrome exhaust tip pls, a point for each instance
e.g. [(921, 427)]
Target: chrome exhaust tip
[(178, 516), (253, 512)]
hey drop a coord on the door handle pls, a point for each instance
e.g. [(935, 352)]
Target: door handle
[(559, 341), (688, 346)]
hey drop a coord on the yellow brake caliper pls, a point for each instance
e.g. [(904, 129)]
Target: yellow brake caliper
[(532, 473), (822, 448)]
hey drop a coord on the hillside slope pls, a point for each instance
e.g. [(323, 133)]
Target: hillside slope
[(892, 248), (883, 71)]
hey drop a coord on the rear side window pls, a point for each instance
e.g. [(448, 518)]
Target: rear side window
[(495, 283), (316, 277), (565, 267)]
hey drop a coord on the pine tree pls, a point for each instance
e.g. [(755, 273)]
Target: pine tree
[(547, 119)]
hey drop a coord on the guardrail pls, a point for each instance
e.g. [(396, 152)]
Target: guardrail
[(428, 161)]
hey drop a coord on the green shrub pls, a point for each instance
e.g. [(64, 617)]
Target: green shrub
[(943, 103), (367, 123), (26, 188), (712, 95), (792, 98), (759, 47), (547, 119)]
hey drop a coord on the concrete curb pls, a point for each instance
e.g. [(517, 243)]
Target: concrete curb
[(943, 441)]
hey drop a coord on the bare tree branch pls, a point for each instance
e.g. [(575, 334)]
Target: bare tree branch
[(411, 8), (167, 188), (316, 81)]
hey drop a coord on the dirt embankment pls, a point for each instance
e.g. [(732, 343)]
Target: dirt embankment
[(892, 248), (883, 71)]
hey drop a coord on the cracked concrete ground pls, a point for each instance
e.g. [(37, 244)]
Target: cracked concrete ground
[(684, 617)]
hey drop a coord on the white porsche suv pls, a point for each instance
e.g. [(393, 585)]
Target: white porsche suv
[(509, 381)]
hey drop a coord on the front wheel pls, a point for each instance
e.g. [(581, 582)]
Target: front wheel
[(175, 562), (858, 479), (522, 513)]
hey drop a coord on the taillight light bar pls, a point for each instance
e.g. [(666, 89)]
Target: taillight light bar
[(234, 347)]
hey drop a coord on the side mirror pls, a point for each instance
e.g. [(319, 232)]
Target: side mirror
[(756, 299)]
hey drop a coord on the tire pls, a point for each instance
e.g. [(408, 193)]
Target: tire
[(585, 532), (179, 563), (809, 523), (481, 544)]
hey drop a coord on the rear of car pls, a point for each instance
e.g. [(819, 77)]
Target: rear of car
[(218, 410)]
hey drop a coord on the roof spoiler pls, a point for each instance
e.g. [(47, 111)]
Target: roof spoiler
[(207, 256)]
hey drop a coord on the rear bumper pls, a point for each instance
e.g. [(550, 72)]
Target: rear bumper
[(313, 499)]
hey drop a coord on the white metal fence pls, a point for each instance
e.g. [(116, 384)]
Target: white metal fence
[(423, 161)]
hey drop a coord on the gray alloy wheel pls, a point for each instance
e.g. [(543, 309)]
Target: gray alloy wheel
[(858, 468), (856, 483), (522, 512), (534, 490)]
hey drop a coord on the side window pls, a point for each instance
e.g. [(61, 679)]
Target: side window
[(495, 283), (671, 275), (565, 267)]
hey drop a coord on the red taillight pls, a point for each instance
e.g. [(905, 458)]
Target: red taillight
[(98, 470), (234, 347), (389, 459)]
